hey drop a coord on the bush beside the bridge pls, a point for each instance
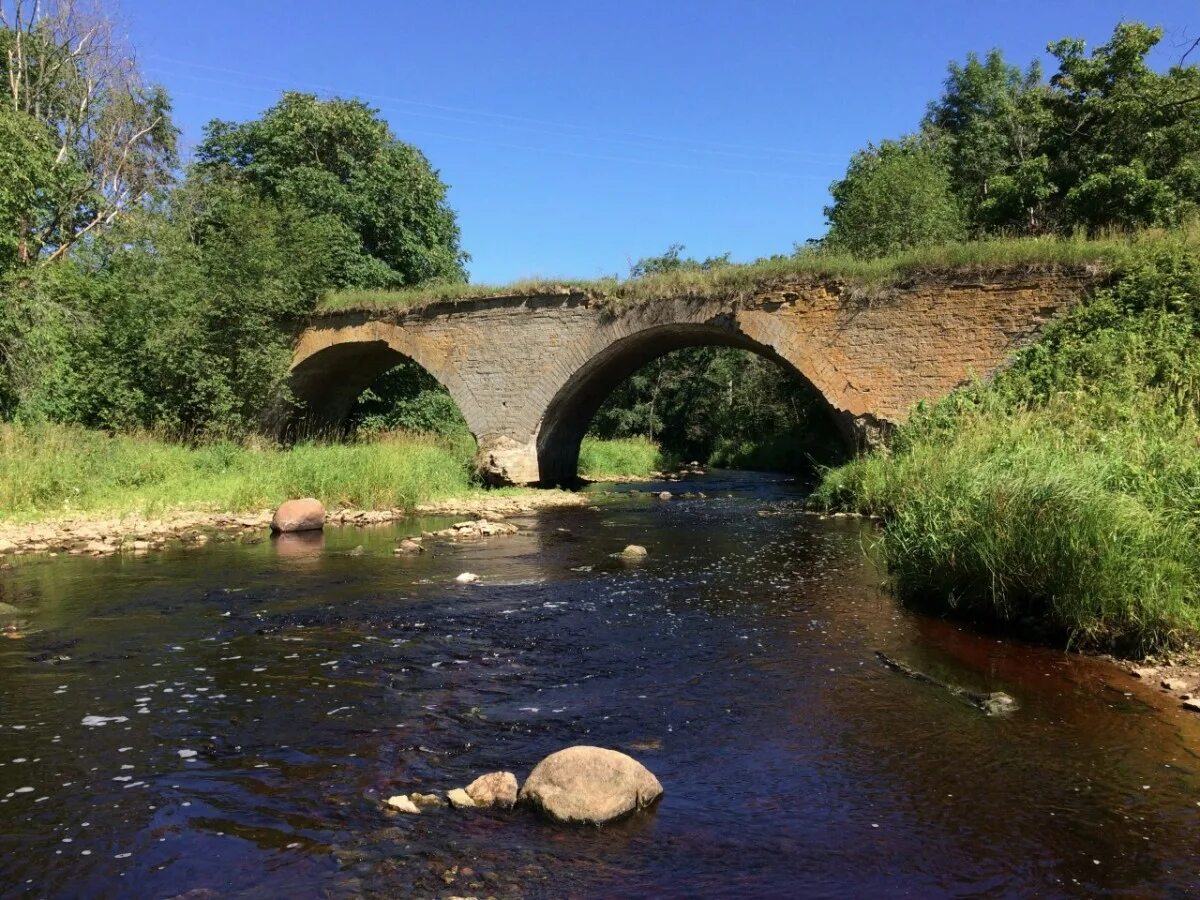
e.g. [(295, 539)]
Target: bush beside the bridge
[(610, 460)]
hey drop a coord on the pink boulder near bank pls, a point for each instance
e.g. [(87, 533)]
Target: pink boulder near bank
[(307, 514)]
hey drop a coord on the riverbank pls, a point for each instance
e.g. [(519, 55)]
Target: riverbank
[(1061, 500), (102, 535), (73, 490)]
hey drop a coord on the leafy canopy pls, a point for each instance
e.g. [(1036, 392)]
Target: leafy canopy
[(337, 157), (894, 197), (1108, 143)]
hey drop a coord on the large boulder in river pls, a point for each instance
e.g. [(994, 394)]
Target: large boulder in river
[(590, 785), (307, 514)]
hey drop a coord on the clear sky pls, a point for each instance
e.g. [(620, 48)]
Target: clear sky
[(579, 136)]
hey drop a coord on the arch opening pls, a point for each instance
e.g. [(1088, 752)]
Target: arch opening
[(821, 432), (368, 388)]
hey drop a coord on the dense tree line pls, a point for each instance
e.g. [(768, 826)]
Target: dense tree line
[(1105, 143), (138, 295)]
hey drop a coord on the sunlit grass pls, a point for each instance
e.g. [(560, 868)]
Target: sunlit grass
[(54, 470), (608, 460), (739, 280), (1088, 530)]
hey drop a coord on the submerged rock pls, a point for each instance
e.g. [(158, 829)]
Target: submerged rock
[(408, 545), (634, 551), (403, 804), (307, 514), (996, 703), (423, 800), (494, 789), (590, 785), (665, 495), (473, 530)]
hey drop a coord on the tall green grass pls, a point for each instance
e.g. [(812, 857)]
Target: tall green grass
[(1064, 497), (50, 470), (1066, 532), (601, 460)]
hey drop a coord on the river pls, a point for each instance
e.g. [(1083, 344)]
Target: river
[(226, 721)]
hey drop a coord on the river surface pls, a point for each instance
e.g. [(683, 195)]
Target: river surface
[(226, 721)]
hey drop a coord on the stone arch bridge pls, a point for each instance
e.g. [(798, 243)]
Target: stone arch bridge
[(529, 371)]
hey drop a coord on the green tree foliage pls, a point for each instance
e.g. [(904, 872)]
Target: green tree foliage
[(102, 140), (337, 157), (989, 124), (894, 197), (1108, 143), (181, 317), (408, 398)]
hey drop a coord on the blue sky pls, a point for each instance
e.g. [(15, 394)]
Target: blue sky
[(577, 137)]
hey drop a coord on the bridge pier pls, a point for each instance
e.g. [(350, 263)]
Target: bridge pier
[(502, 461)]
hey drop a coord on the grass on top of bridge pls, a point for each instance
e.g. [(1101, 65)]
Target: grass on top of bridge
[(740, 279)]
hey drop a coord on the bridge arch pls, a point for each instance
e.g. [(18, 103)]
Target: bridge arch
[(329, 381), (570, 412)]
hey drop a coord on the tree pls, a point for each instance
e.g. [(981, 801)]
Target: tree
[(1127, 139), (114, 144), (895, 196), (337, 157), (989, 125)]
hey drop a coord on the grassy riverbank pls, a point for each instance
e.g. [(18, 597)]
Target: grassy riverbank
[(1064, 497), (608, 460), (51, 471), (48, 470), (734, 280)]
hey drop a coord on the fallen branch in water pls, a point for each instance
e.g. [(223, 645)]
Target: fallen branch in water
[(994, 704)]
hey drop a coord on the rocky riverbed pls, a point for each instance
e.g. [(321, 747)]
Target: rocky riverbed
[(97, 535)]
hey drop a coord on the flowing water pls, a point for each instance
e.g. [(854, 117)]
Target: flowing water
[(226, 721)]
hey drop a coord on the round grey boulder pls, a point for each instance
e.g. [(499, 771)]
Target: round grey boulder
[(590, 786)]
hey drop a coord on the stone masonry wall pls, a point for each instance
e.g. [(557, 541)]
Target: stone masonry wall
[(516, 364)]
